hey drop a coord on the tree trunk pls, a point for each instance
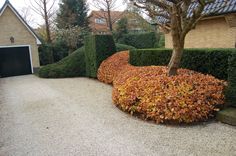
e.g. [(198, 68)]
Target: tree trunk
[(109, 19), (175, 60), (178, 43), (49, 40)]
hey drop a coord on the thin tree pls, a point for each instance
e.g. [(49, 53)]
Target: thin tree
[(178, 17), (44, 8), (107, 6)]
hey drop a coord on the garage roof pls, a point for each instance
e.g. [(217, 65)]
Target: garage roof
[(8, 4)]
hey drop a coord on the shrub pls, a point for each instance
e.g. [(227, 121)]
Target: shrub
[(140, 40), (98, 48), (231, 89), (45, 54), (54, 52), (112, 66), (60, 50), (150, 94), (121, 29), (71, 66), (123, 47), (208, 61)]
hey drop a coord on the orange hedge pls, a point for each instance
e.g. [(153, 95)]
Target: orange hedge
[(149, 93), (112, 66)]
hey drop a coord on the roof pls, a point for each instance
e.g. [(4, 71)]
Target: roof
[(8, 4), (213, 9), (101, 13), (218, 7)]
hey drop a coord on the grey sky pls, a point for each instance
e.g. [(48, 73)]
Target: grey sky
[(20, 4)]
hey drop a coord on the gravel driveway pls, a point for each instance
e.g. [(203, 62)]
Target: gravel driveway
[(76, 117)]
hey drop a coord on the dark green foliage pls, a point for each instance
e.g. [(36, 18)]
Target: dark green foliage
[(72, 13), (208, 61), (231, 89), (51, 53), (71, 66), (46, 54), (121, 30), (98, 48), (60, 50), (140, 40), (123, 47)]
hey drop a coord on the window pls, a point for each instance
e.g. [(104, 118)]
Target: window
[(102, 32), (100, 20)]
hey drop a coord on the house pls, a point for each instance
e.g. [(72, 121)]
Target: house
[(18, 44), (99, 22), (215, 31), (136, 23)]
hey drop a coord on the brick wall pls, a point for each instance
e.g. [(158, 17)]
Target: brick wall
[(10, 25), (209, 33)]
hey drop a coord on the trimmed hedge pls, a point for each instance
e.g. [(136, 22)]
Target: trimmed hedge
[(231, 89), (123, 47), (112, 66), (98, 48), (140, 40), (71, 66), (208, 61)]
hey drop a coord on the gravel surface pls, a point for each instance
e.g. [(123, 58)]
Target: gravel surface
[(76, 117)]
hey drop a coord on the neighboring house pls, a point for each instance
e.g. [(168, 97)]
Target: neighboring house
[(137, 23), (18, 44), (99, 23), (215, 31)]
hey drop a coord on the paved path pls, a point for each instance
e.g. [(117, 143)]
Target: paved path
[(67, 117)]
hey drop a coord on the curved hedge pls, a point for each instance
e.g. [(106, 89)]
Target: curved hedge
[(149, 93), (71, 66), (123, 47), (112, 66)]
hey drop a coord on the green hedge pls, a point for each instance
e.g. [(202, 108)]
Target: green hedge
[(71, 66), (231, 89), (45, 54), (208, 61), (123, 47), (140, 40), (98, 48)]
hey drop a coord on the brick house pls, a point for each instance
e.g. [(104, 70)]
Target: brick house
[(18, 44), (215, 31), (99, 25)]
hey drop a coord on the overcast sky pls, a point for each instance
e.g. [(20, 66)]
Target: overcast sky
[(20, 5)]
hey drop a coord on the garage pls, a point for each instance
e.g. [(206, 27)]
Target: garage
[(18, 44), (15, 61)]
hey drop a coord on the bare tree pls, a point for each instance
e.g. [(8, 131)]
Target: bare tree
[(44, 8), (26, 15), (178, 17), (106, 6)]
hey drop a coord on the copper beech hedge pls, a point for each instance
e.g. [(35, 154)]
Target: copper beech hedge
[(150, 94), (112, 66)]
